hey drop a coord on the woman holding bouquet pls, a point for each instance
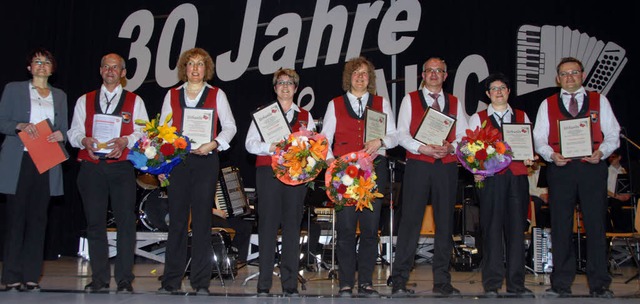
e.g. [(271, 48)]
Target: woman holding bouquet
[(343, 126), (193, 181), (280, 205), (504, 200)]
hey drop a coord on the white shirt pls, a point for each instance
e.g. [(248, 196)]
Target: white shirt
[(404, 121), (608, 124), (41, 107), (225, 116), (77, 132), (329, 122), (474, 120), (534, 190), (612, 178), (254, 143)]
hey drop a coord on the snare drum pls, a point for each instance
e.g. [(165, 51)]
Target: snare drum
[(153, 211)]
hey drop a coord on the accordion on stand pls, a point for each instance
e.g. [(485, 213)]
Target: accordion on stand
[(230, 195), (540, 49)]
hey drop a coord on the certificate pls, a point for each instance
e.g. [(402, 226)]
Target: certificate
[(105, 128), (375, 124), (271, 123), (575, 137), (520, 139), (197, 124), (434, 128)]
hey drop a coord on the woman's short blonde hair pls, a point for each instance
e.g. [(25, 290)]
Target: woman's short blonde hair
[(286, 72), (195, 52), (351, 66)]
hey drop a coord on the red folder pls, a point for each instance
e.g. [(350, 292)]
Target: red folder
[(44, 154)]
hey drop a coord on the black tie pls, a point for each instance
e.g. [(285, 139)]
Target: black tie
[(359, 106)]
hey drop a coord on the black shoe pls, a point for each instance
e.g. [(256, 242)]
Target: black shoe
[(557, 293), (165, 291), (263, 292), (31, 287), (603, 292), (521, 292), (368, 291), (401, 291), (95, 287), (13, 287), (491, 293), (345, 292), (124, 287), (291, 293), (446, 289), (202, 291)]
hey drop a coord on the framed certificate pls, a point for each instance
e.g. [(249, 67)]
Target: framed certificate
[(575, 137), (197, 124), (105, 128), (271, 123), (434, 127), (520, 139), (375, 124)]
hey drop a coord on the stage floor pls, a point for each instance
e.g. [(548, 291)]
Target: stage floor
[(64, 279)]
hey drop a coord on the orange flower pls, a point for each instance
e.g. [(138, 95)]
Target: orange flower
[(470, 159), (500, 147), (180, 143), (318, 148)]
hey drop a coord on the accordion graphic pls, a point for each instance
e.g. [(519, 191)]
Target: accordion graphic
[(541, 48)]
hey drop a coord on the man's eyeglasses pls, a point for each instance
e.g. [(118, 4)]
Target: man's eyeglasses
[(111, 67), (567, 73), (41, 62), (437, 71)]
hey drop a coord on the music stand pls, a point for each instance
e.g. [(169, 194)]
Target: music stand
[(633, 198)]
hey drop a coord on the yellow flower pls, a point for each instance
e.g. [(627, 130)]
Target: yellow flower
[(167, 133)]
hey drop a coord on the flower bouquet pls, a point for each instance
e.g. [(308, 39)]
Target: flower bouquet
[(300, 158), (483, 153), (351, 181), (159, 149)]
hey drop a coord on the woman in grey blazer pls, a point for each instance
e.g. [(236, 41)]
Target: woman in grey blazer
[(24, 104)]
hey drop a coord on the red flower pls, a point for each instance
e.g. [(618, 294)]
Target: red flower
[(342, 189), (481, 155), (361, 173), (167, 149), (352, 171)]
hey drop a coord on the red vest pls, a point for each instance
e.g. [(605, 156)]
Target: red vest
[(516, 167), (265, 160), (177, 104), (556, 113), (349, 135), (124, 109), (418, 108)]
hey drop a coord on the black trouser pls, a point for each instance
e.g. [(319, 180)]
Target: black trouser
[(504, 200), (98, 184), (424, 183), (279, 206), (586, 183), (26, 222), (346, 222), (191, 192)]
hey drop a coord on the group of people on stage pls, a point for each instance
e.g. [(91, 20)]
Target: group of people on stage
[(431, 177)]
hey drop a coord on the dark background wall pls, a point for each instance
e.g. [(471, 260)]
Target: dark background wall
[(474, 37)]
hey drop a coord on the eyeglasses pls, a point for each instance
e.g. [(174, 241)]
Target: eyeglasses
[(437, 71), (285, 83), (567, 73), (40, 62), (111, 67), (496, 89)]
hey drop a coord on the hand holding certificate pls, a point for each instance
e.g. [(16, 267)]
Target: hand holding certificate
[(105, 128), (434, 128), (271, 123), (520, 138), (375, 125), (575, 137)]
